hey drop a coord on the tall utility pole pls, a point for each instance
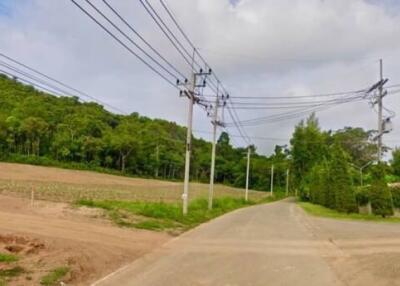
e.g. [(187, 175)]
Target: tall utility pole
[(272, 180), (246, 197), (287, 182), (185, 195), (380, 106), (215, 124), (191, 94)]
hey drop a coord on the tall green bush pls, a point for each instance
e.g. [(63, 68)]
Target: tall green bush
[(345, 200), (381, 198)]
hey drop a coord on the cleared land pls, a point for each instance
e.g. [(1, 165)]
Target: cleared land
[(61, 185)]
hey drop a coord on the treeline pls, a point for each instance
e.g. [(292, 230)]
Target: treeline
[(39, 127), (326, 169)]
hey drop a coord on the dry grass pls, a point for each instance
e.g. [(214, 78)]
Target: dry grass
[(55, 184)]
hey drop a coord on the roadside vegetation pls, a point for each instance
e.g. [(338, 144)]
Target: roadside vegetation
[(54, 277), (318, 210), (168, 216), (326, 172), (7, 258), (8, 274)]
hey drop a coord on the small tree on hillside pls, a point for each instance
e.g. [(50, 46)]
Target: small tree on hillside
[(345, 200), (381, 198)]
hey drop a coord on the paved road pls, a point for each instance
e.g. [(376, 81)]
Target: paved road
[(272, 244)]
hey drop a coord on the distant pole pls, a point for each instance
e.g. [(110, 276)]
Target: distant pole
[(215, 123), (32, 196), (287, 182), (272, 180), (157, 159), (361, 177), (380, 107), (247, 174)]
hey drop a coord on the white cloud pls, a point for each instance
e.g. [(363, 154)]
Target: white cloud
[(257, 47)]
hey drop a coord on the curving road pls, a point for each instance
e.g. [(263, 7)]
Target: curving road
[(272, 244)]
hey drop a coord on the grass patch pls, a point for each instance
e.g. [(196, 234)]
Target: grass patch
[(161, 216), (8, 258), (54, 277), (317, 210), (7, 274)]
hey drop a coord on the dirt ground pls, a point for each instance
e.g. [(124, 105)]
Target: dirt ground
[(48, 235)]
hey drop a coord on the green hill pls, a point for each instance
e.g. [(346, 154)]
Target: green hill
[(39, 128)]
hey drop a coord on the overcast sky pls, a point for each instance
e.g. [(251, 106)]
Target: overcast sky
[(256, 47)]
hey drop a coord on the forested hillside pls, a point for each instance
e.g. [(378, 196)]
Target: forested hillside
[(37, 125)]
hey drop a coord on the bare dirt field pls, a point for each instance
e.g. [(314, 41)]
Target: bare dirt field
[(50, 235), (63, 185)]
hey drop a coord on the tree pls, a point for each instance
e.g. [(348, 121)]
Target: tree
[(307, 149), (357, 143), (34, 130), (123, 139), (381, 198), (345, 199)]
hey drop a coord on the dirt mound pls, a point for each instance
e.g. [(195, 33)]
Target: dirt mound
[(20, 244)]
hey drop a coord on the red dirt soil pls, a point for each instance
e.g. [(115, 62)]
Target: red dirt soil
[(50, 235)]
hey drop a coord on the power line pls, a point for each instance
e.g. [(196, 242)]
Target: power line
[(58, 82), (29, 82), (165, 33), (124, 45), (52, 88), (297, 97), (289, 115), (141, 37), (131, 41)]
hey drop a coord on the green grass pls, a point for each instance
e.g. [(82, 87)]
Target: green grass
[(54, 277), (8, 258), (9, 273), (317, 210), (166, 216)]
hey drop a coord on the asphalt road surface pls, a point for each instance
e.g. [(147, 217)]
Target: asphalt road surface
[(272, 244)]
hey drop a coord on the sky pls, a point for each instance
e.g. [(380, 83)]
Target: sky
[(256, 47)]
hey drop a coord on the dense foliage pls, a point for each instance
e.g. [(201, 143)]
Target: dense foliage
[(326, 168), (37, 127), (380, 195)]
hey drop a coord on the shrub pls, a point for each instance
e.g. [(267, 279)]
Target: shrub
[(345, 200), (381, 198), (396, 196), (363, 195)]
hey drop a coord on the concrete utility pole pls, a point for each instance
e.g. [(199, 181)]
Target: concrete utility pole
[(215, 124), (192, 100), (191, 95), (380, 106), (272, 180), (246, 197), (287, 182), (185, 195)]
